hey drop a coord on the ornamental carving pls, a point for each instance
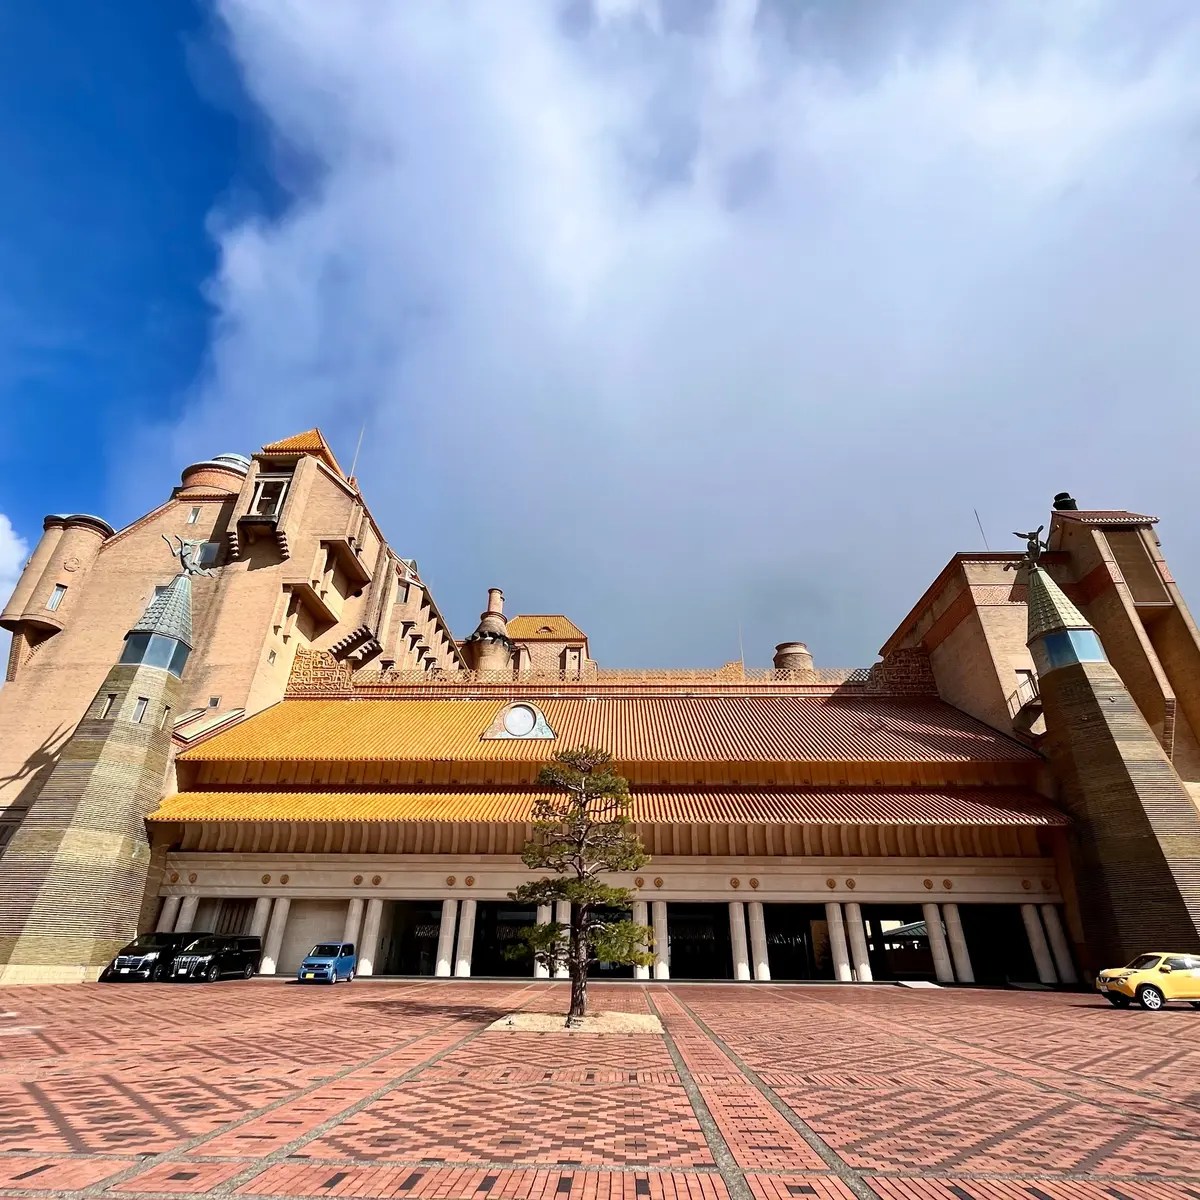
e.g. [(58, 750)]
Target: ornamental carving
[(318, 673), (754, 883), (376, 880), (639, 882), (947, 884), (928, 884), (71, 563), (851, 884), (192, 877), (284, 878), (1027, 884), (357, 880), (658, 881), (450, 881), (174, 876), (737, 883), (469, 881), (831, 884), (266, 879)]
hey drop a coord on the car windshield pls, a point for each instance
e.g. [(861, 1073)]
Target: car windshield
[(207, 945), (326, 950), (153, 941), (1143, 962)]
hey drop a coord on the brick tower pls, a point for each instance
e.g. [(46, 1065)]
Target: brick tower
[(1136, 837), (75, 872)]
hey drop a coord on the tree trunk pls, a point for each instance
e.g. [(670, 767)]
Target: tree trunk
[(578, 968)]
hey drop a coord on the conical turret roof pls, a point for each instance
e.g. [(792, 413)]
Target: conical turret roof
[(1049, 608), (170, 612)]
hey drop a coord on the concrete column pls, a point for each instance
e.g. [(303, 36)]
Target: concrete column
[(562, 914), (641, 916), (837, 943), (354, 912), (466, 939), (369, 946), (168, 915), (1037, 943), (942, 966), (737, 940), (1059, 946), (445, 946), (758, 940), (279, 916), (540, 970), (858, 943), (262, 914), (662, 946), (187, 914), (958, 944)]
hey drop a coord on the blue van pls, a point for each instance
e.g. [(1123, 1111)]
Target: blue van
[(328, 962)]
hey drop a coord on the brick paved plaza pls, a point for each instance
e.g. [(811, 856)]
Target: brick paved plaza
[(397, 1089)]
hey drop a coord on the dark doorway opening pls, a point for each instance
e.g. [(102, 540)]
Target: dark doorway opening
[(798, 941), (410, 947), (698, 940), (898, 942), (997, 943), (499, 924), (608, 970), (234, 917)]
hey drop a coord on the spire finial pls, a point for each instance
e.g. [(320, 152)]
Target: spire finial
[(188, 554), (1033, 549)]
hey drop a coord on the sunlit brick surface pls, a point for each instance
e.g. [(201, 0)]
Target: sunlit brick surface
[(756, 1093)]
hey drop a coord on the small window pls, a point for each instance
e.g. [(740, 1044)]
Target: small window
[(109, 703), (208, 553), (270, 657), (193, 516), (166, 718), (159, 588), (348, 948), (214, 702), (56, 596), (139, 709)]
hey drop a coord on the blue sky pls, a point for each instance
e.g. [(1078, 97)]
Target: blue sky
[(671, 316)]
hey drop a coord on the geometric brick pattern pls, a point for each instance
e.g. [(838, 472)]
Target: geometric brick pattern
[(755, 1093)]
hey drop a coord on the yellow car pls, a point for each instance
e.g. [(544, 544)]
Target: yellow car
[(1152, 980)]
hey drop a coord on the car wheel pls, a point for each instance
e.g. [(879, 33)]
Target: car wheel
[(350, 977), (213, 973), (248, 973), (1118, 1001), (158, 973), (1150, 998)]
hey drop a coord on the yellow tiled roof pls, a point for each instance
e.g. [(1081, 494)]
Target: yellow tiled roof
[(546, 627), (312, 441), (652, 729), (961, 806)]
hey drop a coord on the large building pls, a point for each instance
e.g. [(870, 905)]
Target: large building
[(245, 713)]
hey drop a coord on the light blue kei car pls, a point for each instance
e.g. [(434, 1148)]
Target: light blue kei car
[(329, 962)]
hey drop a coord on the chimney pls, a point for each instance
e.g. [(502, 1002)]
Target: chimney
[(495, 601), (795, 658), (1065, 502)]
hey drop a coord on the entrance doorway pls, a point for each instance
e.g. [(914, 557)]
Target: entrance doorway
[(608, 970), (499, 924), (698, 941), (997, 943), (898, 942), (798, 941), (410, 946)]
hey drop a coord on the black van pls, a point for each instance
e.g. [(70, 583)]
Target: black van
[(210, 956), (151, 956)]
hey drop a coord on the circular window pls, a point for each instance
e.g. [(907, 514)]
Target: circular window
[(520, 720)]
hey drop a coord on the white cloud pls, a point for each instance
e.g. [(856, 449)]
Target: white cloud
[(673, 314), (13, 553)]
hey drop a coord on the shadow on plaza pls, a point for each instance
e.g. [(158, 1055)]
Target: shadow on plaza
[(422, 1008)]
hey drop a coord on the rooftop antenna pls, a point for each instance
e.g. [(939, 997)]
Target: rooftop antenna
[(741, 651), (357, 448), (981, 533)]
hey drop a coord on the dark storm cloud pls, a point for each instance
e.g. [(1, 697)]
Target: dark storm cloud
[(672, 316)]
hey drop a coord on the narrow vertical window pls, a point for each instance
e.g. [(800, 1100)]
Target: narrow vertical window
[(193, 516), (271, 657), (56, 596), (109, 701), (139, 709), (166, 718)]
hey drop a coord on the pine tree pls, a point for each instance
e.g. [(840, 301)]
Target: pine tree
[(582, 829)]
